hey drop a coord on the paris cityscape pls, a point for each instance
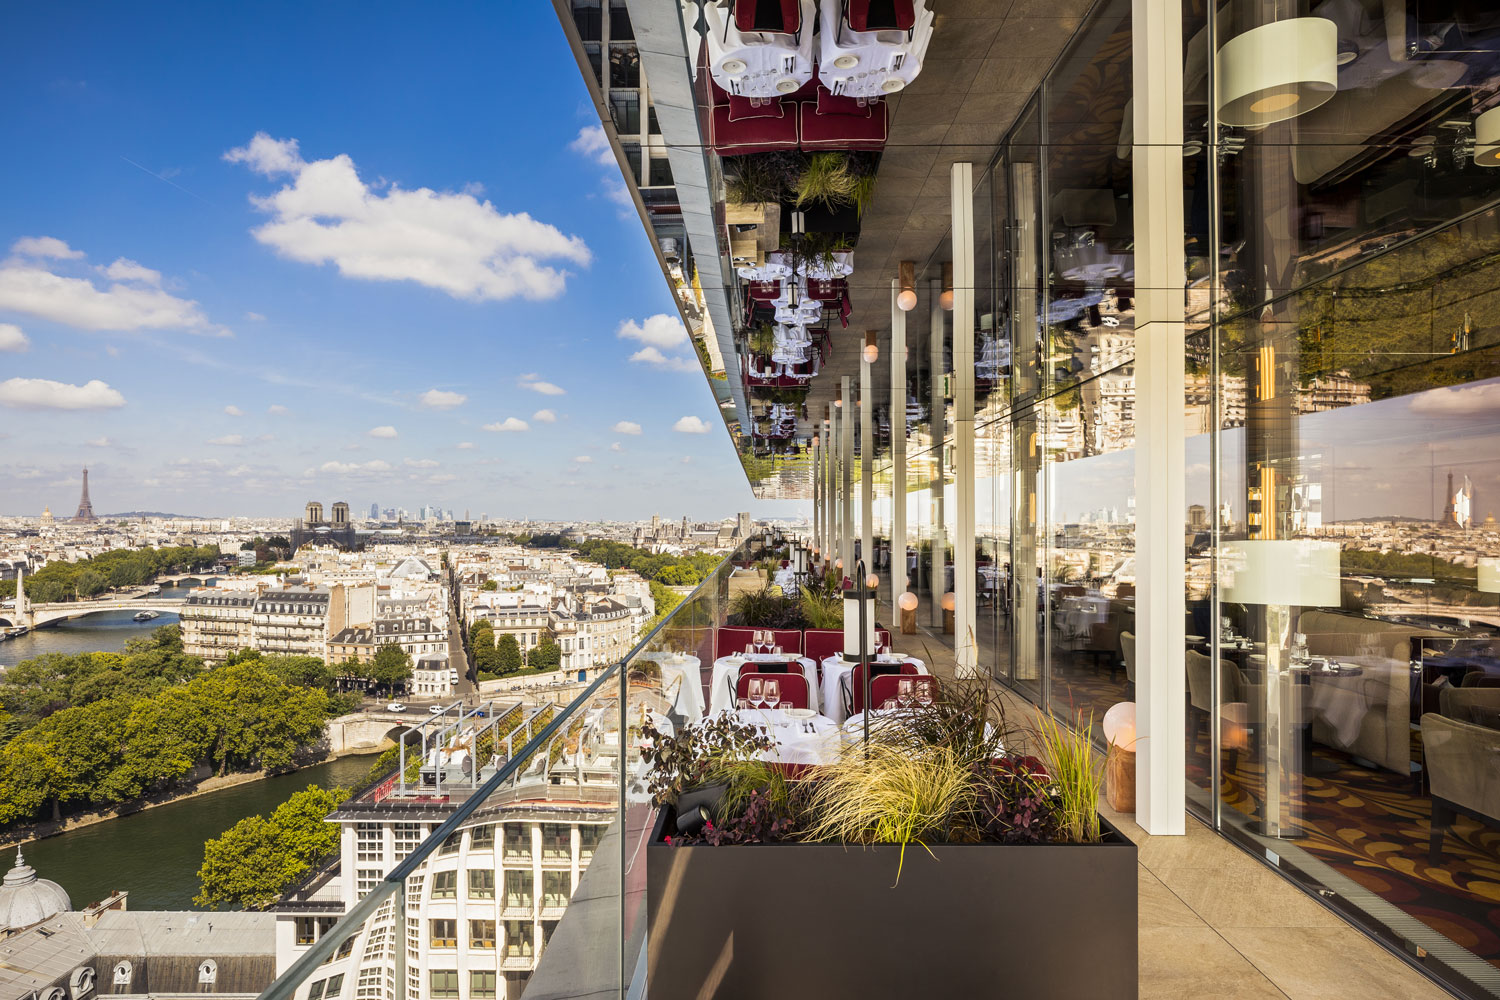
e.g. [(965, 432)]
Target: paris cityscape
[(733, 499)]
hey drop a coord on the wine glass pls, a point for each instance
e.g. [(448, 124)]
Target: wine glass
[(924, 693), (903, 693), (773, 694), (755, 692)]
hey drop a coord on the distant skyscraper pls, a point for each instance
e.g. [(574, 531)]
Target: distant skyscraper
[(374, 511), (744, 524), (85, 513), (1459, 510)]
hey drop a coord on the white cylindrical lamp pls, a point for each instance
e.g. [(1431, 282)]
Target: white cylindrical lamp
[(1277, 71)]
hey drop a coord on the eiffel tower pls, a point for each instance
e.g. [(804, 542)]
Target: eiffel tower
[(85, 513)]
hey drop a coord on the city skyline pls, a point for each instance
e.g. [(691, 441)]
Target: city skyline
[(230, 298)]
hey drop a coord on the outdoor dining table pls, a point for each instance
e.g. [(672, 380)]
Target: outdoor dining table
[(837, 670), (802, 736), (726, 675), (683, 671)]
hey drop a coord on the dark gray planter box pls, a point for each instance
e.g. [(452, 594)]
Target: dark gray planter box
[(1029, 922)]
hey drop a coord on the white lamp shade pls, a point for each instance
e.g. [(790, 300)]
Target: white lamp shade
[(1119, 725), (907, 601), (1489, 575), (1487, 138), (851, 621), (1296, 573), (1277, 71)]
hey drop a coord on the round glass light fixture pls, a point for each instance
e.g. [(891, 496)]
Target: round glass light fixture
[(872, 581), (948, 601), (838, 564), (945, 297), (786, 85), (1487, 138), (907, 601), (846, 61), (1278, 71), (891, 84), (732, 67), (1119, 725), (906, 299), (872, 350)]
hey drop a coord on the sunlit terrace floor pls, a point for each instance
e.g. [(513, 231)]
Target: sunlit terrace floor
[(1215, 921)]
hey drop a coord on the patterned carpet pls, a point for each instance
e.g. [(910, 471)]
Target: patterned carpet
[(1368, 824)]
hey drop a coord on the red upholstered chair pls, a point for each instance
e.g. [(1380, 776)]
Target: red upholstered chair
[(734, 128), (764, 291), (734, 639), (777, 16), (888, 687), (793, 688), (831, 122), (880, 15), (854, 693), (821, 643)]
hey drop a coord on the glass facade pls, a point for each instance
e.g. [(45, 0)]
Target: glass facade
[(1342, 451)]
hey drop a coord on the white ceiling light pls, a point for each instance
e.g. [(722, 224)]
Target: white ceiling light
[(1277, 71), (1487, 138)]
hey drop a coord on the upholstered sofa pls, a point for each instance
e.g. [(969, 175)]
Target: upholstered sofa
[(1463, 770), (811, 119)]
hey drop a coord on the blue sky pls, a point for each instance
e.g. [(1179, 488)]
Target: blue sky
[(252, 255)]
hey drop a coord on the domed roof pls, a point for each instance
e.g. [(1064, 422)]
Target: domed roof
[(26, 900)]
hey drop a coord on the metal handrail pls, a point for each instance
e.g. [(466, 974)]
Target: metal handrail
[(286, 985)]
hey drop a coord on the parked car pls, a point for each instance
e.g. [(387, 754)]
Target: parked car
[(435, 709), (395, 706)]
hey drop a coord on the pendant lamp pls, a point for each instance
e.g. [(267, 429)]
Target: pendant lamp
[(1277, 71)]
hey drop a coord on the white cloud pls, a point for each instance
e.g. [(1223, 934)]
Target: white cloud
[(660, 330), (617, 446), (442, 477), (124, 269), (44, 246), (135, 300), (421, 463), (626, 427), (653, 356), (383, 431), (228, 440), (447, 240), (535, 384), (234, 411), (100, 442), (1463, 401), (277, 409), (616, 191), (12, 339), (687, 459), (691, 425), (255, 317), (44, 394), (583, 459), (544, 417), (508, 424), (465, 446), (441, 399), (265, 437), (355, 468), (594, 144)]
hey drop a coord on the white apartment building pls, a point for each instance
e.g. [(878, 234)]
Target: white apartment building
[(595, 635), (416, 636), (477, 915), (216, 623)]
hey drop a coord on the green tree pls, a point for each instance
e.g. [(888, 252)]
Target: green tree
[(546, 655), (391, 668), (259, 858), (490, 586), (508, 654)]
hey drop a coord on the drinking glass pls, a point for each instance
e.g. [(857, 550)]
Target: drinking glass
[(776, 650), (903, 692), (773, 694), (924, 693), (749, 648), (742, 703), (754, 691)]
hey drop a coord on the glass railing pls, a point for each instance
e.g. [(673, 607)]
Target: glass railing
[(540, 770)]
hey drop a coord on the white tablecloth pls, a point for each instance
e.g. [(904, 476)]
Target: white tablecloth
[(685, 672), (835, 671), (800, 738), (727, 675)]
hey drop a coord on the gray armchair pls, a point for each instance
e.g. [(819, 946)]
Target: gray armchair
[(1127, 653), (1463, 768)]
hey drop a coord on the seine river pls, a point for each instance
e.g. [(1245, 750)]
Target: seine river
[(153, 855)]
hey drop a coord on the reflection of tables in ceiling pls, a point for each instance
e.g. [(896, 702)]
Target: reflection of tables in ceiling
[(754, 230)]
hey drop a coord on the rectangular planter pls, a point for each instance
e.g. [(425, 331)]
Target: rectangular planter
[(1030, 922)]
